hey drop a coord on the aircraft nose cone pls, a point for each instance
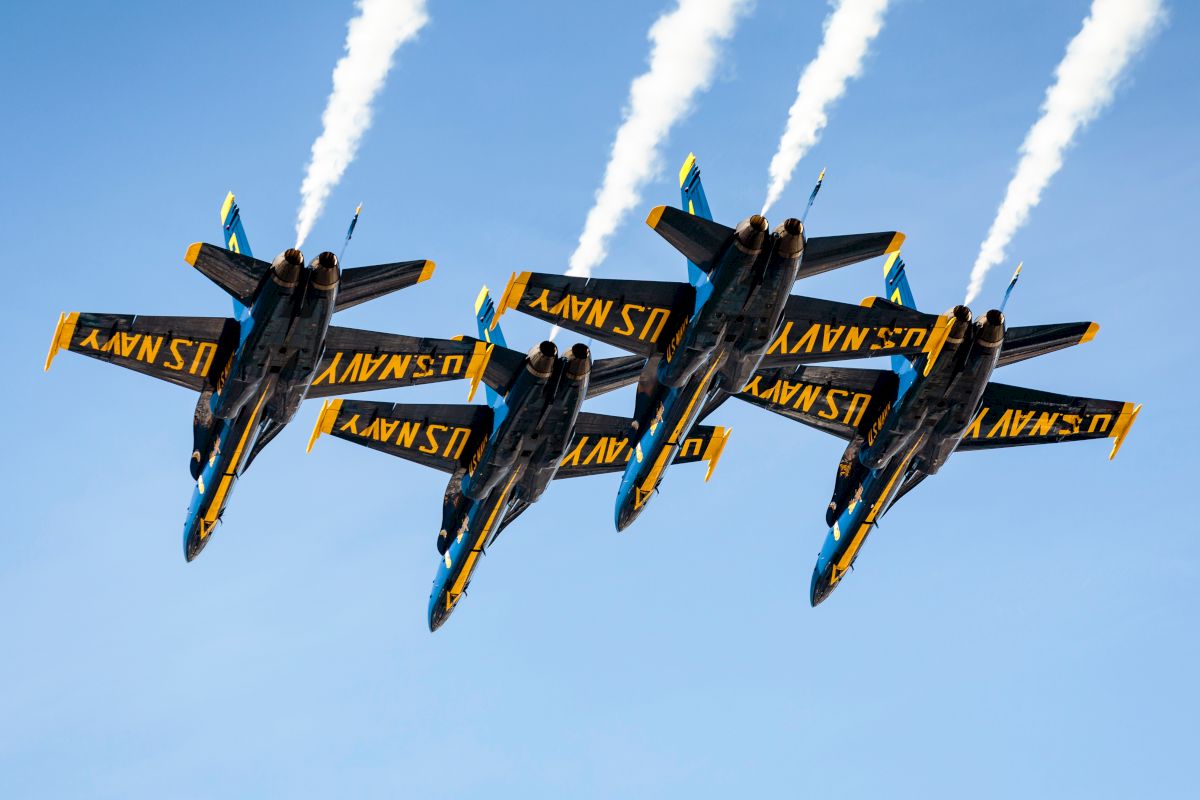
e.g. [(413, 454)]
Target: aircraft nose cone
[(820, 588)]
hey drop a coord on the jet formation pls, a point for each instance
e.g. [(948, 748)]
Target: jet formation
[(733, 329)]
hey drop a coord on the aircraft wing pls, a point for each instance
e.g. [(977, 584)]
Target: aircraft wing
[(631, 315), (814, 330), (837, 400), (181, 350), (444, 437), (604, 443), (823, 253), (1012, 415), (360, 284), (1027, 341), (362, 361)]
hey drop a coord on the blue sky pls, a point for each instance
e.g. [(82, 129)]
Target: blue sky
[(1023, 624)]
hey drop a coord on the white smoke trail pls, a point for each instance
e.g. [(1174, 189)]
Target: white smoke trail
[(1085, 80), (371, 40), (849, 30), (684, 54)]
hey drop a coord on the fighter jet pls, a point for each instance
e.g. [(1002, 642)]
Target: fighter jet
[(253, 370), (909, 419), (706, 338), (502, 456)]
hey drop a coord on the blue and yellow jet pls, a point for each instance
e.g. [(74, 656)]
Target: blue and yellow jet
[(706, 338), (253, 370), (502, 456), (902, 424)]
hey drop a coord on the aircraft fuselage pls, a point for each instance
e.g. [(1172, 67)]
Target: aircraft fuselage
[(281, 337), (910, 437), (530, 435)]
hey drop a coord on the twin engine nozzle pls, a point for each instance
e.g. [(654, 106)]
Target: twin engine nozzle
[(287, 266), (542, 358), (751, 234)]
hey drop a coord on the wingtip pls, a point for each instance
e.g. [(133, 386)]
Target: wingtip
[(62, 336), (511, 297), (1090, 333), (427, 271), (1128, 416), (193, 253), (654, 216), (895, 244), (329, 412), (716, 446)]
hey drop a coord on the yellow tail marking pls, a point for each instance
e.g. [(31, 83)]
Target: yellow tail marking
[(427, 271), (226, 206), (1129, 414), (478, 365), (483, 293), (716, 446), (686, 168), (325, 420), (887, 265), (63, 332)]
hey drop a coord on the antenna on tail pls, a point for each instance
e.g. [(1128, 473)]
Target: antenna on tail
[(1011, 285), (813, 196), (350, 231)]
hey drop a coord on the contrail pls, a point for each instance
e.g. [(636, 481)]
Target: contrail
[(371, 40), (684, 54), (849, 30), (1113, 32)]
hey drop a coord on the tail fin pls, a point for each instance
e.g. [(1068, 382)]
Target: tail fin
[(490, 332), (235, 237), (695, 201), (897, 290)]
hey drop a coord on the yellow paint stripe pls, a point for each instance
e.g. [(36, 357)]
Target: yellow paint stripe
[(214, 508), (937, 340), (477, 366), (887, 265), (479, 298), (686, 168), (673, 440), (861, 534), (1090, 333), (63, 333), (226, 206), (427, 271), (716, 446), (465, 572), (895, 244), (512, 295), (868, 302)]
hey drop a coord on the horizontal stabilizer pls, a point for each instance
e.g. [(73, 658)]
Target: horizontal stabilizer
[(823, 253), (603, 443), (1028, 341), (444, 437), (614, 373), (700, 240), (239, 275), (185, 351), (360, 284), (363, 361)]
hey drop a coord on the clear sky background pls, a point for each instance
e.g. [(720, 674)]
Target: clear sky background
[(1024, 624)]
